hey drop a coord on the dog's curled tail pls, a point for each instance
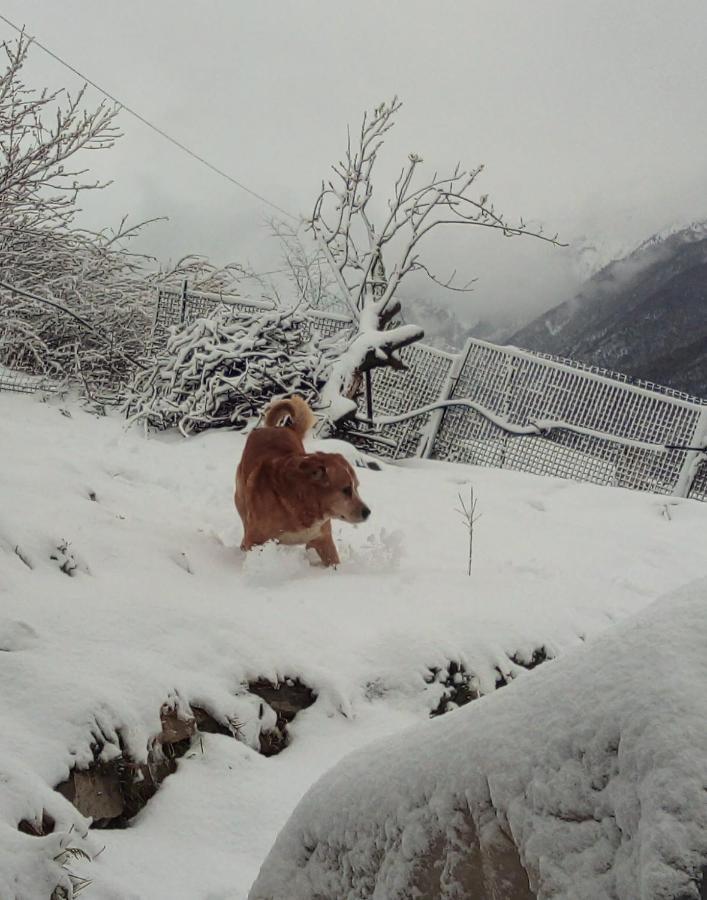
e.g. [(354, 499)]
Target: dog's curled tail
[(296, 410)]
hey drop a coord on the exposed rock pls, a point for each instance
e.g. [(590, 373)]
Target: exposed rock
[(112, 791), (96, 792), (175, 728), (286, 698), (208, 724)]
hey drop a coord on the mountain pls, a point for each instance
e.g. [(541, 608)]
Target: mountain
[(644, 314), (444, 329)]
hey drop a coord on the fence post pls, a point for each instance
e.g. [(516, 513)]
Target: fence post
[(183, 306), (693, 458), (369, 395), (427, 440)]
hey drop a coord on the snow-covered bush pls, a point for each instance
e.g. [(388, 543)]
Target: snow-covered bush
[(75, 304), (222, 371)]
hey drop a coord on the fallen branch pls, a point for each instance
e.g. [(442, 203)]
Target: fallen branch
[(536, 428)]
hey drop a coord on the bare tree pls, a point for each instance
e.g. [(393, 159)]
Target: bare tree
[(73, 303), (370, 255), (305, 266)]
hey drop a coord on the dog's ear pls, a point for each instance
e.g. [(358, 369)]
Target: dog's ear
[(315, 470)]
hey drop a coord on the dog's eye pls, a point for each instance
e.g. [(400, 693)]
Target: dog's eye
[(348, 491)]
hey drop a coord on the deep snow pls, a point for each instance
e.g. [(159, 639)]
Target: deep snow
[(162, 604)]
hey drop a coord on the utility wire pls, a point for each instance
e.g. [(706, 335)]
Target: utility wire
[(149, 124)]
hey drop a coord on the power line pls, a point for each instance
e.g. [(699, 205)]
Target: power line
[(149, 124)]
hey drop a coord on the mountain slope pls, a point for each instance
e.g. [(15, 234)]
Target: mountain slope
[(645, 315)]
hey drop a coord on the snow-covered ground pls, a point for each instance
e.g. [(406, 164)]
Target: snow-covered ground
[(163, 606)]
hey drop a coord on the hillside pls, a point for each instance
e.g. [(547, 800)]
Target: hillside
[(645, 315), (136, 639)]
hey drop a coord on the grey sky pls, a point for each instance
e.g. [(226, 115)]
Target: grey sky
[(589, 116)]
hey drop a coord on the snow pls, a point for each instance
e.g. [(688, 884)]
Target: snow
[(162, 606), (595, 765), (333, 400)]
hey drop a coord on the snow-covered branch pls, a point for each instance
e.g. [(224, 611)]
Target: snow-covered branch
[(536, 427), (222, 371)]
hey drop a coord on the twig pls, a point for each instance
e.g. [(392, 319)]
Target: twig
[(470, 517)]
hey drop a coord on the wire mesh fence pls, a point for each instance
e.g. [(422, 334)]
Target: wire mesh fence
[(179, 306), (24, 383), (395, 392), (597, 428), (608, 430), (698, 488)]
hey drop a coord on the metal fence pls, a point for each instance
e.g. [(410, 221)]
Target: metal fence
[(181, 307), (24, 383), (596, 427), (606, 429), (423, 381)]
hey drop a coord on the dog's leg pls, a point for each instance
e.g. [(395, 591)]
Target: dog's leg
[(325, 546)]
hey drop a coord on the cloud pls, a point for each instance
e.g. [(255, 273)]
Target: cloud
[(590, 117)]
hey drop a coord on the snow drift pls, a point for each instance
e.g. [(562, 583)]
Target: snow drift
[(585, 779)]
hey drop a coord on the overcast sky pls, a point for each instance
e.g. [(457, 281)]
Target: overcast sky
[(590, 116)]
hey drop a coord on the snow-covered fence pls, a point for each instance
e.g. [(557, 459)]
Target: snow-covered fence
[(424, 380), (24, 383), (591, 425), (181, 307), (526, 411)]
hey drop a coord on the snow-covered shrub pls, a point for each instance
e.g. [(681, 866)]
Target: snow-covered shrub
[(222, 371), (75, 304)]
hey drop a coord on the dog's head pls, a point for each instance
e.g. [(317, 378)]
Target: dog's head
[(336, 485)]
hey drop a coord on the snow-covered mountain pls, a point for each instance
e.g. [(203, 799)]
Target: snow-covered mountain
[(644, 314), (445, 330)]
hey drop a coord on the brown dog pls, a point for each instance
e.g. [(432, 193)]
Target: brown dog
[(288, 495)]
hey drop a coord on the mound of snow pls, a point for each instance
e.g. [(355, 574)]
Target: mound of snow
[(586, 780)]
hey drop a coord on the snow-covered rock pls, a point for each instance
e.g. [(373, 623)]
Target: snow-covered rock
[(586, 780)]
